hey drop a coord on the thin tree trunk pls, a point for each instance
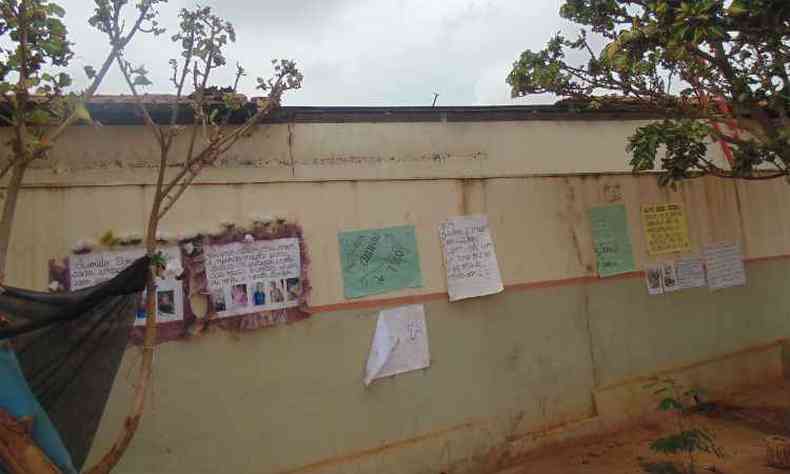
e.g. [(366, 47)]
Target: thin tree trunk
[(9, 210), (114, 454)]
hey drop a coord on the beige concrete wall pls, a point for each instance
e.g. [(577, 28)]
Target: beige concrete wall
[(536, 356)]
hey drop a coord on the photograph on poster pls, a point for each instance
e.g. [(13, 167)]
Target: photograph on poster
[(238, 296), (218, 300), (259, 297), (166, 303), (294, 288), (169, 302), (276, 291)]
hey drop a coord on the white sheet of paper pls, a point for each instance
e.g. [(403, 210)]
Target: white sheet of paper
[(400, 343), (653, 279), (690, 272), (469, 258), (724, 264)]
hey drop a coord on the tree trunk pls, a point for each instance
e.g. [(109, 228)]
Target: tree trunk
[(111, 457), (9, 210)]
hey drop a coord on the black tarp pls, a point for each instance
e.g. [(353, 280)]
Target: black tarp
[(70, 346)]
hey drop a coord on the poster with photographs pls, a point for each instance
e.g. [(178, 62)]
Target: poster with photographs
[(250, 277), (93, 268)]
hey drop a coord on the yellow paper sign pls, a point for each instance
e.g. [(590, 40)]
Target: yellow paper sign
[(666, 228)]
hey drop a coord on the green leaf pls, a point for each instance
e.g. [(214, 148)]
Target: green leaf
[(38, 117), (737, 8), (669, 404), (81, 112)]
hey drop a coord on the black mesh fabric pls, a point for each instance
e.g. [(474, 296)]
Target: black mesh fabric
[(70, 346)]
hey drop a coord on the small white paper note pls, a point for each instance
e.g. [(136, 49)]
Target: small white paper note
[(724, 264), (469, 258), (400, 343), (653, 278), (690, 272), (669, 277)]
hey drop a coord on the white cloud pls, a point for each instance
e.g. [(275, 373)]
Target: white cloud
[(355, 52)]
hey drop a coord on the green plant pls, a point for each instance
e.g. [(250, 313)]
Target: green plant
[(716, 70), (200, 141), (687, 439), (34, 102)]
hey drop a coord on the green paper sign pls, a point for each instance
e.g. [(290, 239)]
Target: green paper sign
[(379, 260), (611, 240)]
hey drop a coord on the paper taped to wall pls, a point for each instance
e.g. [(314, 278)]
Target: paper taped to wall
[(669, 277), (653, 279), (613, 253), (400, 343), (469, 258), (666, 228), (379, 260), (690, 272), (250, 277), (724, 263)]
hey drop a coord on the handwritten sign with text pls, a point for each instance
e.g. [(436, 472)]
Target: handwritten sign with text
[(724, 263), (666, 228), (611, 240), (249, 277), (379, 260), (469, 258), (94, 268)]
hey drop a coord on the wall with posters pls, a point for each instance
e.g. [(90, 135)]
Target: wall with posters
[(557, 347)]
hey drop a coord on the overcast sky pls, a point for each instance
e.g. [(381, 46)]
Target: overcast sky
[(354, 52)]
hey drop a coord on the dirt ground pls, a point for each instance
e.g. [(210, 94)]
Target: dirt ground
[(740, 428)]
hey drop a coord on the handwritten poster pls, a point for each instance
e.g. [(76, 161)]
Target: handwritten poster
[(379, 260), (690, 272), (93, 268), (469, 258), (249, 277), (400, 343), (611, 240), (724, 263), (666, 228)]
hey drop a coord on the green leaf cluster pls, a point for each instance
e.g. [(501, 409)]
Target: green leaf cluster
[(724, 62)]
